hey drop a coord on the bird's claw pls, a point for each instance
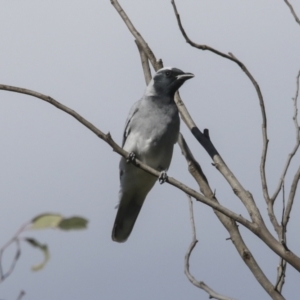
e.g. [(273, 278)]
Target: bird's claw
[(162, 178), (131, 157)]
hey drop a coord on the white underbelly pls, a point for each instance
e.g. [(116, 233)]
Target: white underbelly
[(156, 155)]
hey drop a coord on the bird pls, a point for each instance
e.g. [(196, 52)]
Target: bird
[(151, 130)]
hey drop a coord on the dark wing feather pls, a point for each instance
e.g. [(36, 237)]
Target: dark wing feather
[(134, 109)]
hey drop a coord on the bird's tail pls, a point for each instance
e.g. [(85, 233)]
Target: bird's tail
[(127, 214)]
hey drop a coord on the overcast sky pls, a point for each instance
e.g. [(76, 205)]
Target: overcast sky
[(81, 54)]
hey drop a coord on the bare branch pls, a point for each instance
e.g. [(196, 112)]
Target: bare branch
[(15, 239), (108, 139), (297, 144), (229, 224), (186, 117), (281, 270), (259, 230), (145, 63), (245, 196), (192, 219), (292, 11), (291, 198), (264, 130), (14, 262), (21, 295), (3, 275), (192, 279), (195, 168), (238, 189), (201, 47), (155, 63), (281, 229), (283, 235), (297, 175), (231, 57)]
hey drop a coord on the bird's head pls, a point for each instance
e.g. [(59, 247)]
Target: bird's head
[(167, 81)]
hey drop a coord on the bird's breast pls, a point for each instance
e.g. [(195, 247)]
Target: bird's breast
[(153, 135)]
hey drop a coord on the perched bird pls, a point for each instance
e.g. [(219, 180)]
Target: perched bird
[(151, 130)]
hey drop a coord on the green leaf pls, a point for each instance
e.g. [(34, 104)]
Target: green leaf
[(46, 221), (43, 248), (73, 223)]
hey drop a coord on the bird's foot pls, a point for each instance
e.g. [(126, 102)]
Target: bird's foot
[(162, 178), (131, 157)]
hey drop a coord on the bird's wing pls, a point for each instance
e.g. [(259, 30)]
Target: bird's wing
[(134, 109)]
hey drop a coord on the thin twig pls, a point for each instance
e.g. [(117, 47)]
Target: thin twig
[(155, 63), (291, 198), (292, 11), (283, 212), (192, 279), (192, 220), (15, 239), (297, 144), (6, 274), (281, 269), (21, 295), (297, 175), (145, 63), (14, 261)]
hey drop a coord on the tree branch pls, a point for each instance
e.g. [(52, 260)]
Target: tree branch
[(229, 224), (259, 230), (245, 196), (238, 189), (200, 284), (144, 62), (296, 147), (21, 295), (155, 63), (196, 171), (291, 198), (292, 11), (231, 57), (116, 148), (15, 239), (297, 175), (281, 269)]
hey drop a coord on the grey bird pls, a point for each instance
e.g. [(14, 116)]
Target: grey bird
[(151, 130)]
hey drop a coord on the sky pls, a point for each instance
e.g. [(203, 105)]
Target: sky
[(82, 54)]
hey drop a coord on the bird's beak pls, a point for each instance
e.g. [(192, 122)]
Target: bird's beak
[(185, 76)]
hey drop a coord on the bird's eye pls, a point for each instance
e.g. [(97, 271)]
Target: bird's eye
[(168, 73)]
